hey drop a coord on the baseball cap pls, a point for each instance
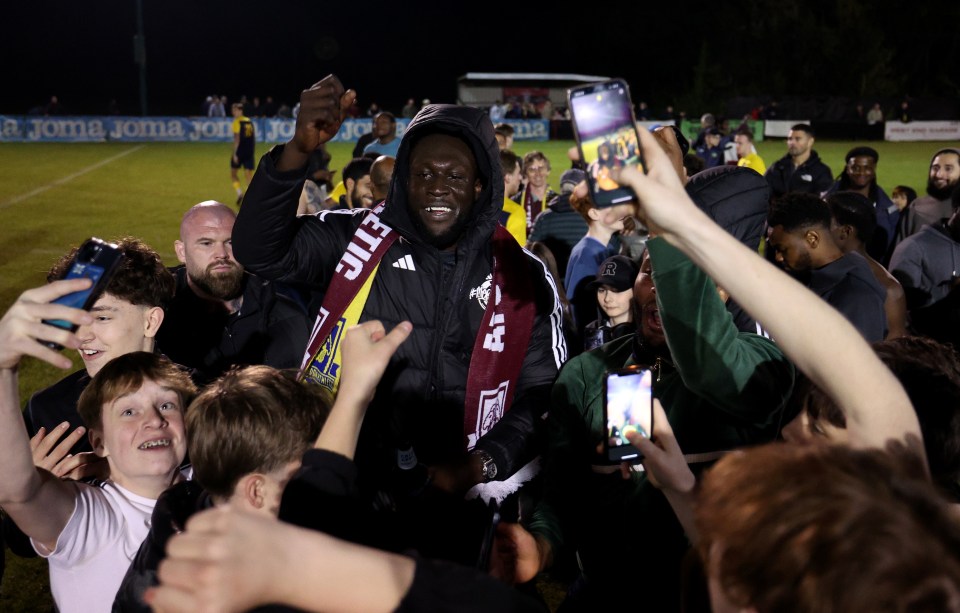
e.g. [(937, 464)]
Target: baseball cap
[(617, 271), (571, 177)]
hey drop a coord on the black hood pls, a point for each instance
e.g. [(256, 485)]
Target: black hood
[(735, 198), (472, 126)]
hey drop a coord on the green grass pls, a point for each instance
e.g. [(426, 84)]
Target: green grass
[(145, 192)]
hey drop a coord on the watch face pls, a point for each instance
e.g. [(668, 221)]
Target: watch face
[(489, 467)]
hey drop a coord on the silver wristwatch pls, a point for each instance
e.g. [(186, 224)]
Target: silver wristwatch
[(488, 466)]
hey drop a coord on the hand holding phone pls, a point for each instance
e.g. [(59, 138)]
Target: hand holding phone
[(95, 260), (606, 134), (663, 460), (22, 334), (627, 408)]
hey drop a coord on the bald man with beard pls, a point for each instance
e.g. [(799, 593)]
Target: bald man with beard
[(222, 316)]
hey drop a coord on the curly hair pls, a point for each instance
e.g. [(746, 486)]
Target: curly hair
[(798, 211), (140, 278)]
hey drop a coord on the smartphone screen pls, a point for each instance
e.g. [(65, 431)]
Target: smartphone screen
[(606, 134), (628, 407)]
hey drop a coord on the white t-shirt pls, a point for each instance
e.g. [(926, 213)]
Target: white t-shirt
[(96, 546)]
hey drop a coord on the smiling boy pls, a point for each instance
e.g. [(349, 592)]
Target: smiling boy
[(134, 410)]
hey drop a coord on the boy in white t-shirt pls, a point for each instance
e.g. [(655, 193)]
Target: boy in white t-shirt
[(134, 412)]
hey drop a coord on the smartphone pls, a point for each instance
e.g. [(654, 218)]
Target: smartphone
[(627, 406), (606, 133), (95, 260)]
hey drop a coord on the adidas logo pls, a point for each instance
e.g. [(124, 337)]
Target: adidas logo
[(406, 263)]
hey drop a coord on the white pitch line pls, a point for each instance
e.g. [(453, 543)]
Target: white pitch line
[(68, 178)]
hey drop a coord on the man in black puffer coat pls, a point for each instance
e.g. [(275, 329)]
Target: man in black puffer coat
[(444, 202)]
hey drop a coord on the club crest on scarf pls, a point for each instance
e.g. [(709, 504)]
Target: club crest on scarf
[(491, 409), (323, 368)]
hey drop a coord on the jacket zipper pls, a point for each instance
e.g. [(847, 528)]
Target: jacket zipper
[(441, 330)]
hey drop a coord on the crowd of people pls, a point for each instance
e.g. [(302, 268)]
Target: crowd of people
[(387, 392), (255, 106), (220, 106)]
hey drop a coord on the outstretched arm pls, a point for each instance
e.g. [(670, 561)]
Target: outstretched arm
[(268, 238), (228, 560), (367, 350), (820, 341), (38, 502)]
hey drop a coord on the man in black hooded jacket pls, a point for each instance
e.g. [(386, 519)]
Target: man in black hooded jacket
[(801, 170), (444, 202)]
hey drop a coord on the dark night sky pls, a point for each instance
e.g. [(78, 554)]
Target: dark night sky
[(83, 51)]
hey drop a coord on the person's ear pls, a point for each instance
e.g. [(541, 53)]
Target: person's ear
[(349, 184), (95, 436), (593, 214), (152, 320), (252, 487), (181, 250), (811, 238), (846, 231), (477, 188)]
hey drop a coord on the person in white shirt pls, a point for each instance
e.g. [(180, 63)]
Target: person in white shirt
[(133, 410)]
